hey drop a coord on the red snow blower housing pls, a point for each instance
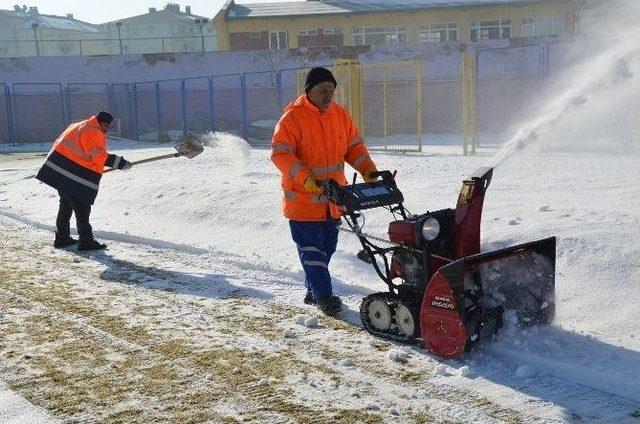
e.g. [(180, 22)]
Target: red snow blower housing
[(442, 290)]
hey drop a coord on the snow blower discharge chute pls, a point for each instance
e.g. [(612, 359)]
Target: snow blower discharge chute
[(442, 291)]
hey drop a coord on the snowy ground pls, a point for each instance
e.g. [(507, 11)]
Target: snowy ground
[(195, 314)]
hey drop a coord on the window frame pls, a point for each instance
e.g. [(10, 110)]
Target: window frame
[(308, 32), (281, 45), (426, 32), (557, 25), (485, 25), (392, 34), (332, 31)]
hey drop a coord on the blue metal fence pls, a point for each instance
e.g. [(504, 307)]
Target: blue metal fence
[(249, 104), (6, 120), (38, 111)]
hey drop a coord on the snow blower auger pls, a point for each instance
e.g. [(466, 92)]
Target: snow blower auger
[(442, 291), (188, 147)]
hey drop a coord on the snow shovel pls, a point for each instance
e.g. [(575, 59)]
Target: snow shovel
[(189, 148)]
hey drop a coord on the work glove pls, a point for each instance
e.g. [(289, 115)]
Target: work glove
[(366, 175), (124, 164), (311, 185)]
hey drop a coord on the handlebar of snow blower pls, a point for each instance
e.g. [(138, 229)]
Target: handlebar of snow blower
[(360, 196)]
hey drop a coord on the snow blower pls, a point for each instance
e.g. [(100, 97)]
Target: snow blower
[(189, 147), (442, 291)]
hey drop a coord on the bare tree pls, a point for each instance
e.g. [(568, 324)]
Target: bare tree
[(272, 59)]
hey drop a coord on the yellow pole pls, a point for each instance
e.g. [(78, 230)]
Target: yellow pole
[(465, 102), (385, 118), (473, 93)]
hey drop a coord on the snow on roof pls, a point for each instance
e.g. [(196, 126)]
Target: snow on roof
[(171, 13), (312, 7), (50, 21)]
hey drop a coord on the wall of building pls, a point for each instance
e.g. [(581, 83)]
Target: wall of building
[(411, 20)]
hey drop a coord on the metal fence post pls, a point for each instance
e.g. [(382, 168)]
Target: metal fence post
[(158, 114), (279, 90), (243, 103), (476, 143), (543, 66), (212, 104), (7, 102), (110, 98), (421, 107), (15, 109), (68, 102), (183, 95), (135, 110)]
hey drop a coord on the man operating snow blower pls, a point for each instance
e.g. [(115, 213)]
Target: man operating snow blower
[(312, 140), (74, 167)]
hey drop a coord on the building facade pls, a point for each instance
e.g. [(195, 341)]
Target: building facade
[(161, 31), (334, 23), (26, 32)]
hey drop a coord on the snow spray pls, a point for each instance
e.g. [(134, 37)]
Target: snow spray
[(229, 150), (598, 91)]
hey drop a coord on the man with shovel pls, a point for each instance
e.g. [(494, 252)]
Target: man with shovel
[(312, 140), (74, 167)]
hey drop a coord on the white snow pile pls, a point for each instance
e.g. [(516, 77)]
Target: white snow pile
[(309, 321)]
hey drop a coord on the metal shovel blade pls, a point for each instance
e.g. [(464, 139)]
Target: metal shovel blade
[(190, 147)]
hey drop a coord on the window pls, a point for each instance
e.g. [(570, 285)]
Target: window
[(308, 32), (490, 30), (332, 31), (539, 26), (379, 35), (255, 35), (277, 40), (435, 33)]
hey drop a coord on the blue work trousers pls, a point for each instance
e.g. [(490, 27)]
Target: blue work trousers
[(316, 242)]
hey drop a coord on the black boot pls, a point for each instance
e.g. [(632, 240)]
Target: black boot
[(63, 241), (309, 299), (91, 245), (330, 305)]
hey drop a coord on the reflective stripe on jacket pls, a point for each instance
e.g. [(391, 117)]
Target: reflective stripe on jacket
[(307, 141), (77, 160)]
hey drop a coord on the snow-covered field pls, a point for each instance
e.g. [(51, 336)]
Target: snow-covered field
[(195, 312)]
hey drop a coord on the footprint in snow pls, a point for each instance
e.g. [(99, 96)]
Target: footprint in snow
[(514, 221), (545, 208)]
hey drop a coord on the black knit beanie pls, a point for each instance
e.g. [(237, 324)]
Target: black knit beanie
[(105, 117), (316, 76)]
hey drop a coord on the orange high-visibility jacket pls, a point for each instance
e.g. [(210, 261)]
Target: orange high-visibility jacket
[(85, 144), (307, 141), (77, 160)]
